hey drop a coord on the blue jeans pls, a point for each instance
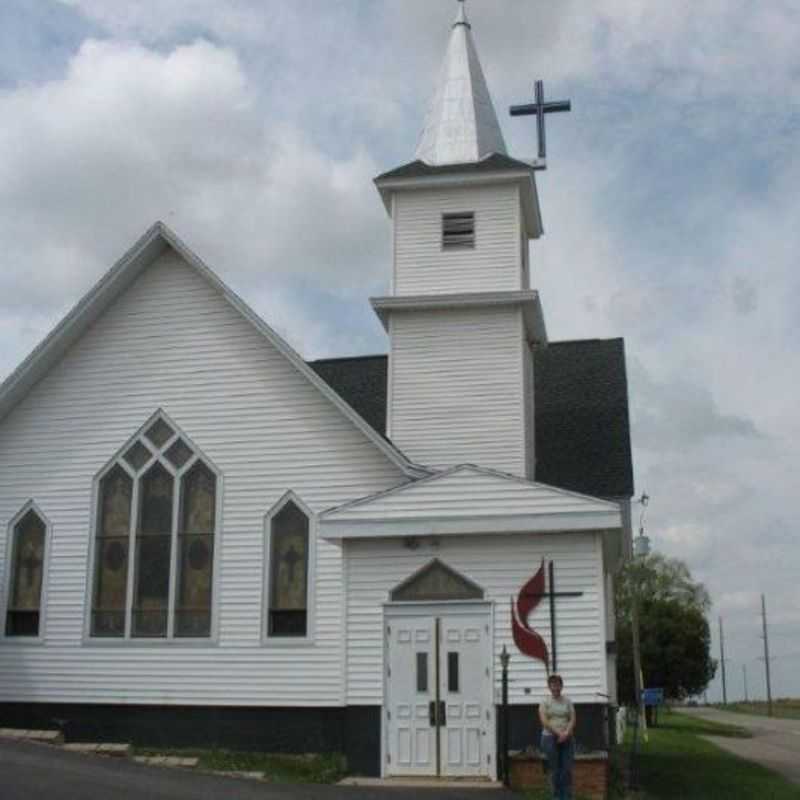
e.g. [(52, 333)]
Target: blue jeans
[(560, 759)]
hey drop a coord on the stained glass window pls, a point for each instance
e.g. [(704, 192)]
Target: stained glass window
[(111, 558), (153, 551), (179, 453), (288, 572), (154, 556), (196, 552), (137, 456), (27, 567), (159, 433)]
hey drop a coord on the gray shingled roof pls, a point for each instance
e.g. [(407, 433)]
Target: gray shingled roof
[(493, 163), (582, 428), (582, 425)]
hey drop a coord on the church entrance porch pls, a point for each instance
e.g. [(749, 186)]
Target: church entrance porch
[(438, 709)]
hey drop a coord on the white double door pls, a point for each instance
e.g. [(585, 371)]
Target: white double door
[(438, 714)]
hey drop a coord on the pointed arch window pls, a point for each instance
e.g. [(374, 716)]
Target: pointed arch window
[(196, 552), (26, 579), (154, 543), (289, 560)]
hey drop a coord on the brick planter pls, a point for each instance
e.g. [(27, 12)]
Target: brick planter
[(591, 773)]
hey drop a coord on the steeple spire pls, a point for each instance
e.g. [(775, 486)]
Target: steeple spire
[(461, 125)]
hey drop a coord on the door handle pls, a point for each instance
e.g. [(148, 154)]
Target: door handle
[(437, 713)]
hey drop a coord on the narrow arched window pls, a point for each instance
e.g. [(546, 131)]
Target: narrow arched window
[(154, 553), (111, 553), (288, 578), (196, 552), (27, 572)]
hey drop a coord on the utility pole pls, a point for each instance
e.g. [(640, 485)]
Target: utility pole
[(766, 653), (637, 658), (722, 662), (744, 681)]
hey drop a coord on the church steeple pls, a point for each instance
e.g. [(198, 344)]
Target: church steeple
[(461, 314), (461, 125)]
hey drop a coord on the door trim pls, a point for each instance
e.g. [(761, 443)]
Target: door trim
[(395, 610)]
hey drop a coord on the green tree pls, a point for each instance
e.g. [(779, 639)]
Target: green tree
[(673, 630)]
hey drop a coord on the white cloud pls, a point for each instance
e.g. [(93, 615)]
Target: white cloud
[(130, 135), (156, 18)]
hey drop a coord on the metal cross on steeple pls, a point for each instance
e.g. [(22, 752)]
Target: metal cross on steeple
[(540, 108)]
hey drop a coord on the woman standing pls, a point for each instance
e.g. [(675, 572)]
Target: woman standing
[(557, 715)]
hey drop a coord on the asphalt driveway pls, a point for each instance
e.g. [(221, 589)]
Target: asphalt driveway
[(41, 772), (775, 743)]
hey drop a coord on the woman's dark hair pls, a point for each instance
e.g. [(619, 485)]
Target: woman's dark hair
[(554, 678)]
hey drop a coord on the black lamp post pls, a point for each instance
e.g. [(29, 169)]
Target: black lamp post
[(506, 771)]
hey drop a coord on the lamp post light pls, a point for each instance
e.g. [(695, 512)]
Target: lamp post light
[(505, 657), (641, 545)]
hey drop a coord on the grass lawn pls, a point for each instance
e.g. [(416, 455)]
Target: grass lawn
[(677, 764), (786, 708), (276, 768)]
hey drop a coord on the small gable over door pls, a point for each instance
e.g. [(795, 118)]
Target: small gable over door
[(436, 582)]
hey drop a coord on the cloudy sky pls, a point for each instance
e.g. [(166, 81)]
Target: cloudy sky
[(254, 129)]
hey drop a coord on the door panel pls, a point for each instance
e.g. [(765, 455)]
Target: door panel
[(459, 712), (411, 687), (466, 689)]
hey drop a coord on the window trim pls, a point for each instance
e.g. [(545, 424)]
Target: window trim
[(289, 641), (118, 459), (40, 637)]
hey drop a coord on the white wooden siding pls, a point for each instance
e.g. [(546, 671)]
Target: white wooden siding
[(173, 342), (423, 267), (470, 492), (529, 411), (611, 635), (374, 567), (456, 387)]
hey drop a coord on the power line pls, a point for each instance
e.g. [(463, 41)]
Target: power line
[(780, 656)]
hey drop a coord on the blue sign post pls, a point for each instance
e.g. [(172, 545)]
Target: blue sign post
[(653, 698)]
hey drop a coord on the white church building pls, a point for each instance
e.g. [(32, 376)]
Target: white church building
[(207, 540)]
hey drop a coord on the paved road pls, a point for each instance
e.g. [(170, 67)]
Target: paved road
[(775, 743), (41, 772)]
